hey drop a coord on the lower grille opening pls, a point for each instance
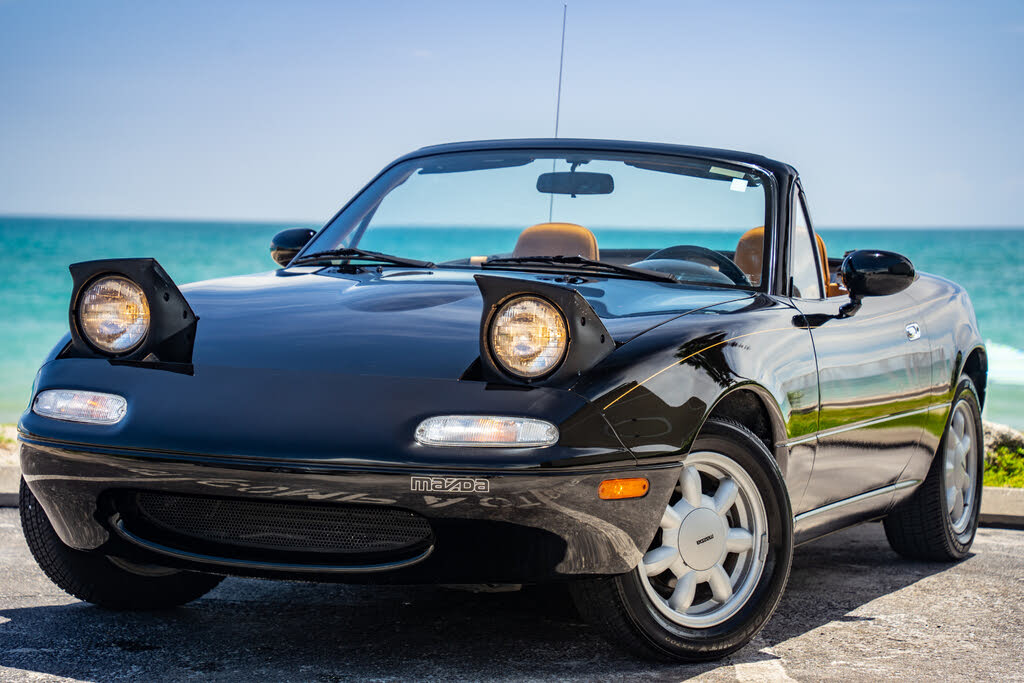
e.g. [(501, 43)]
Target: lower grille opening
[(275, 531)]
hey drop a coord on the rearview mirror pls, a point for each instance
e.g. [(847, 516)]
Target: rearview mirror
[(870, 272), (287, 243), (575, 182)]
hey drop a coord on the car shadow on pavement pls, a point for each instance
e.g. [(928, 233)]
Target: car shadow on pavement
[(301, 631)]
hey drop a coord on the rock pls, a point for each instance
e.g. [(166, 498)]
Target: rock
[(999, 436)]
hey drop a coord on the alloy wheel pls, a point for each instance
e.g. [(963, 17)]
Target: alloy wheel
[(961, 467), (709, 553)]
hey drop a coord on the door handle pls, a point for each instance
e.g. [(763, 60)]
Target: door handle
[(913, 331)]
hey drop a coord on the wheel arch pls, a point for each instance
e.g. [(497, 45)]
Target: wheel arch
[(753, 406), (976, 367)]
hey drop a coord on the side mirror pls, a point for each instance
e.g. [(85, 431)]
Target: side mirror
[(871, 272), (876, 273), (287, 243)]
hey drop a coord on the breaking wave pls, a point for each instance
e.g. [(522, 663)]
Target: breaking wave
[(1005, 364)]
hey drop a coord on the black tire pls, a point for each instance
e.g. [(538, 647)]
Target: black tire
[(921, 528), (95, 578), (620, 608)]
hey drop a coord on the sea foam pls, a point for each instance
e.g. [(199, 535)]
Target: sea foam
[(1005, 364)]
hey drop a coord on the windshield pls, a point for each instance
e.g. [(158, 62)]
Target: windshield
[(698, 220)]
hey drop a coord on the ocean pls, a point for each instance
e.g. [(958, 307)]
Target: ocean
[(35, 283)]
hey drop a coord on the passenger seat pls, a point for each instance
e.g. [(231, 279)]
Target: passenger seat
[(831, 288), (557, 239), (750, 251), (749, 254)]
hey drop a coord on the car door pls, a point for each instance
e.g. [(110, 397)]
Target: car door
[(873, 378)]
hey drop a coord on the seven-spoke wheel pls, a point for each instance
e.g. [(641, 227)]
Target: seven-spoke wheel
[(718, 562), (707, 556), (939, 520), (960, 469)]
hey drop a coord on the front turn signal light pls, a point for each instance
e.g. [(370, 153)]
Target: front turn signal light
[(486, 430), (80, 406), (616, 489)]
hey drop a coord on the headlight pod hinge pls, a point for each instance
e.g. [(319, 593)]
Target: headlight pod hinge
[(588, 339), (172, 324)]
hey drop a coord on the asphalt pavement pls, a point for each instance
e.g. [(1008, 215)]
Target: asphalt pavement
[(853, 611)]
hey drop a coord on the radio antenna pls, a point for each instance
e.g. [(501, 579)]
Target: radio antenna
[(561, 64), (558, 100)]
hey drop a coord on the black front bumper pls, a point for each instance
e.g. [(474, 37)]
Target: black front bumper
[(484, 526)]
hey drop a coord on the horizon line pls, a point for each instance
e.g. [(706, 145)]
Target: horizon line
[(302, 223)]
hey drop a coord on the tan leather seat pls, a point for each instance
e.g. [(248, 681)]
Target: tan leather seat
[(830, 288), (557, 239), (750, 254)]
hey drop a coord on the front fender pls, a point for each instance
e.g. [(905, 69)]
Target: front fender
[(657, 390)]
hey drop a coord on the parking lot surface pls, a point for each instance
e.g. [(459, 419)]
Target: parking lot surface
[(853, 611)]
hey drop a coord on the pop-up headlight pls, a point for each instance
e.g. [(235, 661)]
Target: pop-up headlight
[(113, 314), (129, 311)]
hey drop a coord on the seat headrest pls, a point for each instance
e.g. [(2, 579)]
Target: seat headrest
[(557, 239), (750, 253)]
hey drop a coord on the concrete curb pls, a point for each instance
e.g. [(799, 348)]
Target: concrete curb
[(1002, 507), (10, 479), (999, 506)]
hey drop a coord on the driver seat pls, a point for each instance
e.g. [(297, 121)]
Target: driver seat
[(750, 252), (557, 239)]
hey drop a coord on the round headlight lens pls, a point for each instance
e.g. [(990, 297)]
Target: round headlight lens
[(113, 314), (528, 337)]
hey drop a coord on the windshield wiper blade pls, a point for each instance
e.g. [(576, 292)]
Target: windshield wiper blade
[(583, 262), (349, 253)]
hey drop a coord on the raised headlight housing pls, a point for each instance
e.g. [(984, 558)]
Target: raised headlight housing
[(113, 314), (535, 332), (528, 337), (129, 311)]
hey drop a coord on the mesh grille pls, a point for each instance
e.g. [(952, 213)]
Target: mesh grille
[(285, 526)]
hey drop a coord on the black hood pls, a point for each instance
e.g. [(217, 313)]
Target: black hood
[(401, 323)]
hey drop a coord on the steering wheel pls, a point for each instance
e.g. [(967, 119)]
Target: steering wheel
[(692, 252)]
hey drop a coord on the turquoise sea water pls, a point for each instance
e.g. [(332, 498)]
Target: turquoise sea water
[(35, 283)]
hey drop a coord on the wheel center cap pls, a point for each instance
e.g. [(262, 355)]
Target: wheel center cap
[(702, 539)]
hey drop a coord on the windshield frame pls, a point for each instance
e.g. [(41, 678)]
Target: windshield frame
[(768, 182)]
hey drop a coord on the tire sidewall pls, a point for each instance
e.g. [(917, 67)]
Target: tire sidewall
[(674, 639)]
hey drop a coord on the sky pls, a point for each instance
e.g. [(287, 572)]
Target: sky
[(894, 113)]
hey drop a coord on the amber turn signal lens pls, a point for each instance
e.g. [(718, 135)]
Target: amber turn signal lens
[(614, 489)]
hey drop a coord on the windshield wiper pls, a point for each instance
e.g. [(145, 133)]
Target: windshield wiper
[(581, 262), (329, 256)]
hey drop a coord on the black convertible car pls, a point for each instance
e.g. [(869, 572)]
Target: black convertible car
[(630, 367)]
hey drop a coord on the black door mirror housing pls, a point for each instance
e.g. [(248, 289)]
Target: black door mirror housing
[(287, 243), (872, 272)]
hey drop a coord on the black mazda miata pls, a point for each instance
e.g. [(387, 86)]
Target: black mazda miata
[(629, 367)]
